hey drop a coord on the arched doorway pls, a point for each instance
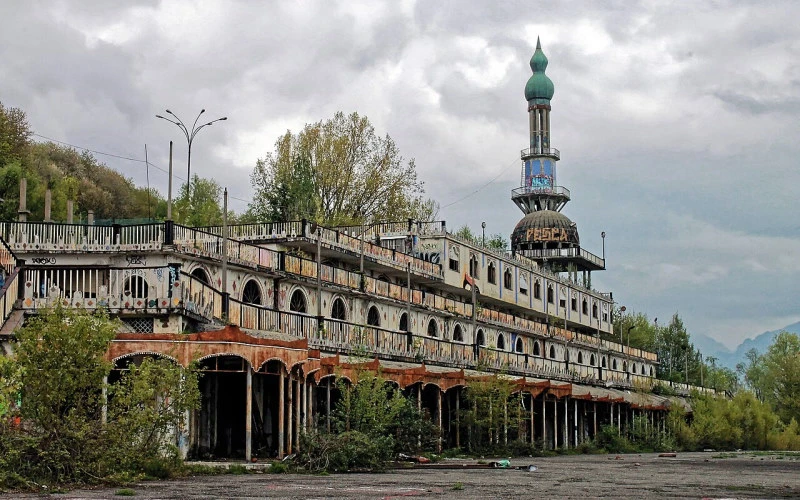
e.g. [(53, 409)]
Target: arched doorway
[(251, 293)]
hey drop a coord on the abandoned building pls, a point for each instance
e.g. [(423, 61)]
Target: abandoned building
[(276, 313)]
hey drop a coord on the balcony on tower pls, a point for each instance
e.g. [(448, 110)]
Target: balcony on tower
[(540, 151)]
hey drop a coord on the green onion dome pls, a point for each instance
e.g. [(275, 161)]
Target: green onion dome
[(539, 89)]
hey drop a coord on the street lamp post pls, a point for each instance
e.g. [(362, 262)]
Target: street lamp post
[(190, 134), (603, 236), (483, 232)]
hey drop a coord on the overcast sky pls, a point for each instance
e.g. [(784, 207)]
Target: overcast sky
[(677, 121)]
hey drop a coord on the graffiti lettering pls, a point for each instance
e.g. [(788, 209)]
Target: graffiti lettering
[(547, 234), (429, 251), (136, 260), (44, 260)]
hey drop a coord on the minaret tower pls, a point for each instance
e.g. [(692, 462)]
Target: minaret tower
[(545, 234)]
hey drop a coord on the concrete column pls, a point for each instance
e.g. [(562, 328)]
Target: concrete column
[(458, 418), (23, 211), (439, 417), (565, 430), (289, 416), (281, 409), (544, 421), (48, 204), (533, 423), (619, 418), (328, 405), (612, 414), (575, 423), (555, 424), (248, 415), (90, 217), (297, 416), (594, 418), (70, 210)]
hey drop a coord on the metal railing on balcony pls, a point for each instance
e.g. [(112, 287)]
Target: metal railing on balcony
[(552, 190), (552, 152)]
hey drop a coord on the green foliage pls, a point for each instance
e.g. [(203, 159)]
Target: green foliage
[(60, 367), (14, 135), (337, 172), (345, 452), (775, 375), (278, 468), (200, 206), (125, 492), (493, 408)]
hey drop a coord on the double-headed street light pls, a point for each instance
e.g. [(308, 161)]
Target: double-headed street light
[(190, 134)]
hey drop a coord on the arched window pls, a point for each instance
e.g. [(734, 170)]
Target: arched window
[(580, 357), (433, 328), (523, 286), (473, 266), (297, 302), (651, 371), (458, 334), (614, 364), (536, 350), (592, 360), (552, 352), (491, 273), (537, 290), (136, 287), (594, 311), (201, 275), (566, 355), (550, 295), (403, 322), (454, 264), (625, 366), (604, 361), (574, 304), (585, 307), (518, 347), (480, 339), (501, 342), (373, 317), (642, 370), (251, 293), (338, 310), (508, 282)]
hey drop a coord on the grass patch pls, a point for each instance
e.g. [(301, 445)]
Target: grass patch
[(278, 468), (237, 469), (458, 487), (125, 492)]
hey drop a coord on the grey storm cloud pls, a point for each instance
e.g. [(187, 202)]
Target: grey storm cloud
[(677, 122)]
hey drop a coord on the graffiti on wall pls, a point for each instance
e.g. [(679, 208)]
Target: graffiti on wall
[(429, 251)]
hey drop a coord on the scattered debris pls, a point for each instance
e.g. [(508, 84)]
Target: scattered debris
[(668, 455)]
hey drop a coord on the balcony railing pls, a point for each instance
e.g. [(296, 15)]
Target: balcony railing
[(552, 152), (552, 190)]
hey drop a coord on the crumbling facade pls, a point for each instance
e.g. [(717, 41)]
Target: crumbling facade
[(276, 313)]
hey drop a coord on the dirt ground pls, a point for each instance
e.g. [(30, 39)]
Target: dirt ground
[(689, 475)]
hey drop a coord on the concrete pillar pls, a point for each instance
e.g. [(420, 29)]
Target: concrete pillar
[(328, 405), (544, 421), (439, 417), (248, 415), (565, 430), (619, 418), (281, 409), (594, 418), (70, 210), (48, 204), (555, 424), (575, 424), (458, 417), (23, 211), (289, 416), (90, 217), (533, 427), (297, 416)]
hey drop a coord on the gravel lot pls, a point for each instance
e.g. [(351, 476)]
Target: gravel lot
[(689, 475)]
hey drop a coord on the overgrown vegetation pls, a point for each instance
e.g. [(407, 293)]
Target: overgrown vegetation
[(64, 425), (372, 422)]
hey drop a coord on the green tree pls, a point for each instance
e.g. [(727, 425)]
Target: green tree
[(775, 375), (338, 172), (14, 135), (59, 369), (202, 206)]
